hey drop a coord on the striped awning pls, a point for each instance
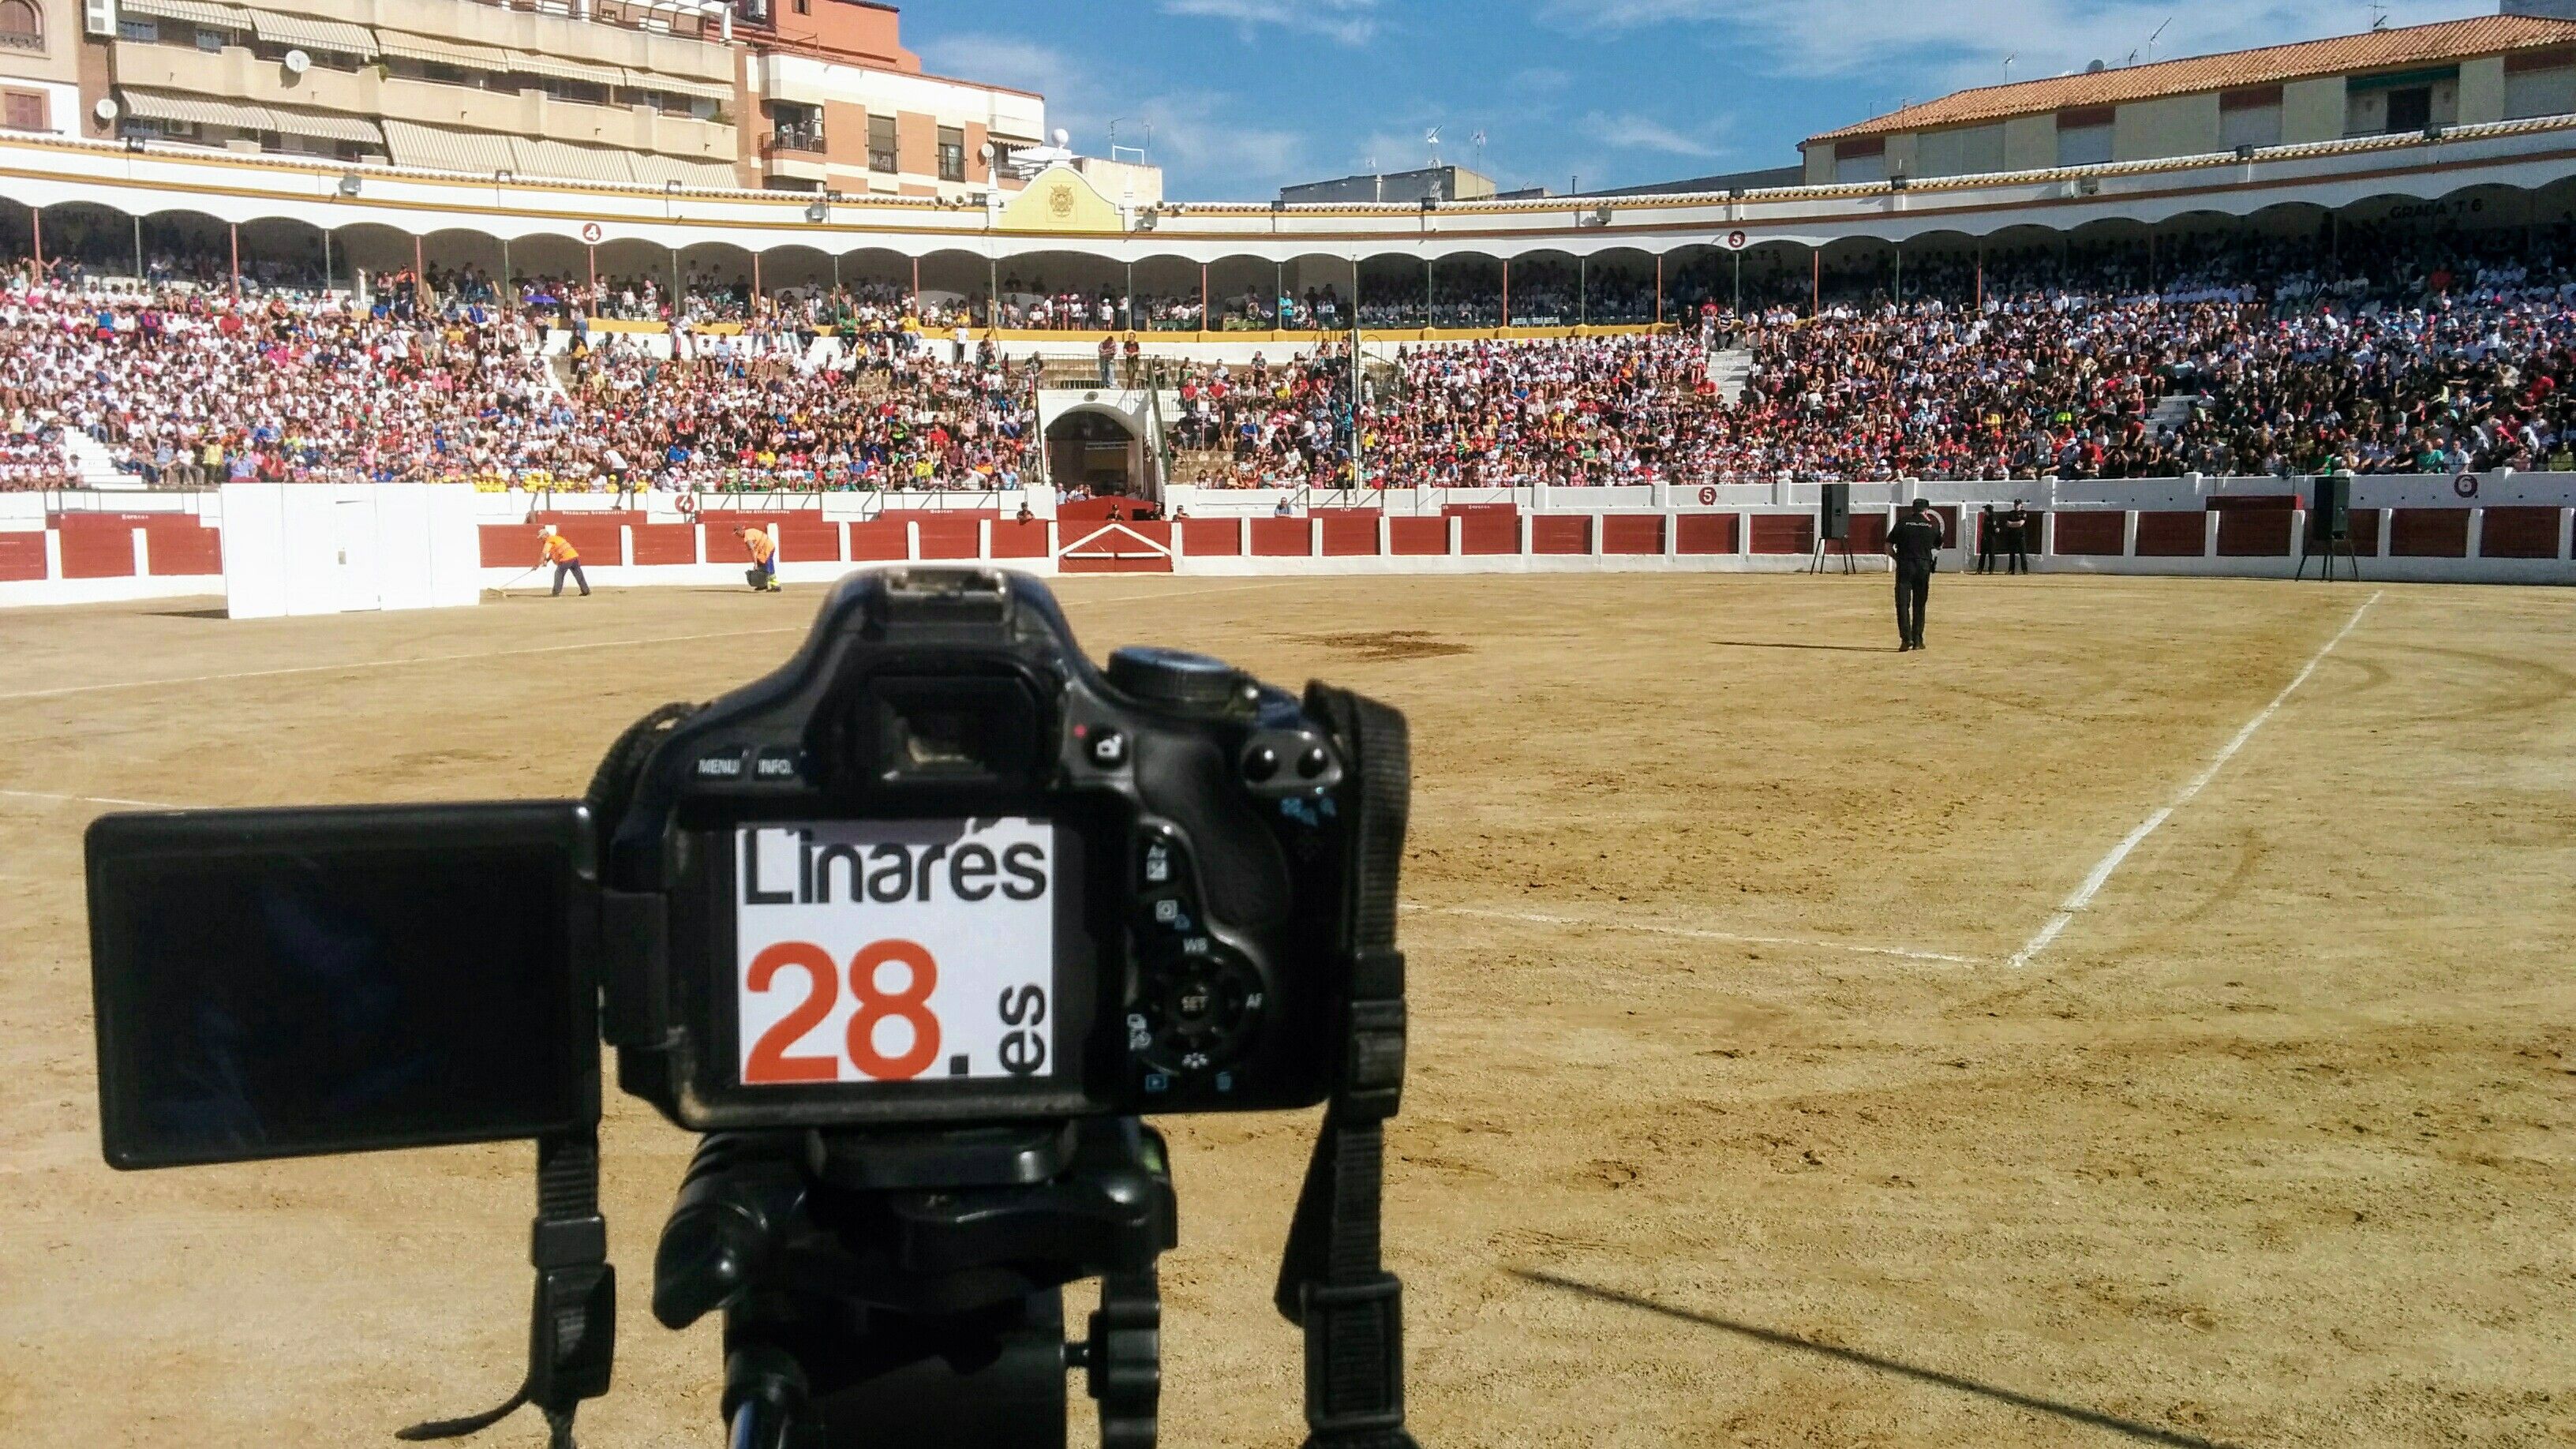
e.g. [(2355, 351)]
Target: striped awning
[(193, 12), (196, 110), (645, 80), (527, 63), (439, 149), (328, 128), (655, 170), (464, 55), (314, 33), (561, 159)]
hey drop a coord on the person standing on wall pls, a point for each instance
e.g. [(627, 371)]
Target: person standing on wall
[(763, 575), (1988, 526), (1913, 542), (556, 549), (2017, 539)]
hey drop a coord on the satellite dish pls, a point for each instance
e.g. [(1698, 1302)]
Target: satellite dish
[(2095, 68), (1063, 138), (297, 62), (105, 110)]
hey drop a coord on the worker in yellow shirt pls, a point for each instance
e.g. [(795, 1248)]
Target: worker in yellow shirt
[(558, 550), (764, 558)]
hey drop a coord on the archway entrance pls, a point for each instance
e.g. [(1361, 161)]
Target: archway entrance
[(1096, 450)]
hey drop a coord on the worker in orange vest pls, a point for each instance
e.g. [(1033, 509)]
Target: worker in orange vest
[(559, 551), (764, 558)]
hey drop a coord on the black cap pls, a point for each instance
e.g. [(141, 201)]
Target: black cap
[(1922, 502)]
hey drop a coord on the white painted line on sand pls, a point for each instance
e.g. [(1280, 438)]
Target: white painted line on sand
[(89, 800), (1693, 933), (2101, 873)]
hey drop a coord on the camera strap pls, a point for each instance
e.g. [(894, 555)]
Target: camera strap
[(1331, 1281), (572, 1326)]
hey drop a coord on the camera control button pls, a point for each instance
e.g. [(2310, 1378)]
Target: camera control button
[(1312, 764), (779, 766), (1260, 763), (723, 767), (1108, 749), (1162, 864)]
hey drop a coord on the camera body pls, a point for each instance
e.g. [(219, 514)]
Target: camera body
[(1072, 893)]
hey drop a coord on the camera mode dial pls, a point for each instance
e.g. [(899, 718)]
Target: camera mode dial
[(1180, 682)]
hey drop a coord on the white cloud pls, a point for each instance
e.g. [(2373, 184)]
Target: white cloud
[(1350, 22), (1629, 131)]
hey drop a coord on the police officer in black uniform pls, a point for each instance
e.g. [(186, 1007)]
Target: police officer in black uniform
[(1912, 543), (2017, 539)]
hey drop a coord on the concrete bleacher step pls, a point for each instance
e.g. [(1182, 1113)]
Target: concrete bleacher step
[(94, 465), (2172, 412), (1731, 369)]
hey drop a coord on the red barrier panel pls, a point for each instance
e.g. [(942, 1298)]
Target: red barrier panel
[(22, 556), (2247, 532), (2429, 533), (1784, 533), (1282, 538), (1417, 537), (877, 542), (1868, 533), (802, 538), (1212, 537), (2253, 502), (1704, 533), (509, 545), (1560, 533), (2365, 533), (1014, 539), (1489, 530), (660, 544), (177, 546), (1349, 533), (2087, 535), (1631, 533), (2519, 533), (949, 536), (2172, 535), (97, 547)]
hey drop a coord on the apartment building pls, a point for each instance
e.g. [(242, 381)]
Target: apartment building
[(40, 66), (2502, 67), (839, 105)]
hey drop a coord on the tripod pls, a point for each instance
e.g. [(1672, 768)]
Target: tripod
[(2337, 544), (906, 1288), (1816, 561)]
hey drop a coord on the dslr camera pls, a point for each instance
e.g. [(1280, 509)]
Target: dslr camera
[(915, 931)]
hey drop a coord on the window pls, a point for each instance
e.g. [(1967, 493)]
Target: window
[(2540, 83), (881, 148), (2410, 109), (2084, 136), (2249, 117), (23, 110), (22, 27), (129, 28), (1859, 162), (1960, 151), (209, 40), (952, 154), (804, 7), (1001, 157)]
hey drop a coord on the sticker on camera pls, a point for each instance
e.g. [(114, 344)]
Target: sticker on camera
[(895, 951)]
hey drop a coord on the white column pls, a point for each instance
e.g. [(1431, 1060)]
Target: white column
[(1179, 550), (626, 545), (1385, 536), (2129, 534), (698, 533), (53, 553), (2047, 537), (2566, 532), (912, 541), (1314, 536), (2477, 532), (142, 552), (2387, 529), (1598, 519), (1672, 534), (1457, 533), (1744, 535), (2209, 533), (2298, 531), (1524, 521), (984, 540)]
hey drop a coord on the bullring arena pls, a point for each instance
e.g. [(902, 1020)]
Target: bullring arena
[(1733, 1118), (2140, 1017)]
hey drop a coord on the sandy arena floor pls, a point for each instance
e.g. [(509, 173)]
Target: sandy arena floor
[(1733, 1121)]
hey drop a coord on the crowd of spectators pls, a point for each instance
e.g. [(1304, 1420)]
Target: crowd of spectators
[(2374, 349)]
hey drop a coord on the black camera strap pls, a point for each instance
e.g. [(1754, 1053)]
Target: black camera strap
[(1332, 1281), (572, 1326)]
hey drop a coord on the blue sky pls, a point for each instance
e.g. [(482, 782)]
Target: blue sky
[(1246, 95)]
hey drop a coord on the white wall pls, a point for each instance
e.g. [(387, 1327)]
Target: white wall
[(294, 549)]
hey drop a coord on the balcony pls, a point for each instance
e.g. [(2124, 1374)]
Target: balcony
[(793, 140)]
